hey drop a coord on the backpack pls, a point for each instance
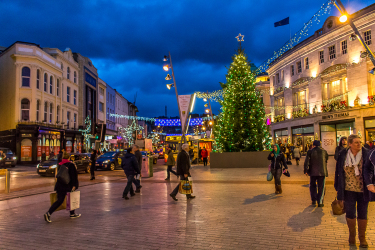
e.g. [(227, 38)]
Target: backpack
[(63, 174)]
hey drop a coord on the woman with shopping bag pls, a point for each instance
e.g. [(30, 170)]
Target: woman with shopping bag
[(67, 181), (277, 159)]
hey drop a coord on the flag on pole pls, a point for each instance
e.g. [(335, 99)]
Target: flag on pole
[(282, 22)]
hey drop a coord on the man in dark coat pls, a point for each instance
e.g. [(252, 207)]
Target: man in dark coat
[(130, 166), (92, 168), (62, 189), (342, 145), (367, 145), (138, 156), (183, 170), (316, 168)]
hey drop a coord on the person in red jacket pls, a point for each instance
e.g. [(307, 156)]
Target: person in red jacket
[(204, 154)]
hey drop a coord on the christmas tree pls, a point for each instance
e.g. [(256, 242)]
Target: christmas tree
[(241, 125)]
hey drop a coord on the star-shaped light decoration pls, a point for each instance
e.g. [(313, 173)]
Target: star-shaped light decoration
[(240, 38)]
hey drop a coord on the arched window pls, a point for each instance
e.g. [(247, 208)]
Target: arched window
[(50, 112), (45, 111), (75, 77), (37, 110), (57, 87), (68, 73), (25, 109), (45, 82), (57, 113), (50, 84), (25, 77), (37, 78)]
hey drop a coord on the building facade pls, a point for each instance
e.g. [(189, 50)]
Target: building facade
[(38, 114), (111, 132), (321, 88)]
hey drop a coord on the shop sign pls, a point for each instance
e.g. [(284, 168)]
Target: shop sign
[(26, 135), (39, 151), (26, 152), (344, 114)]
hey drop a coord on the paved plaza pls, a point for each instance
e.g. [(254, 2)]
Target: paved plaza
[(233, 209)]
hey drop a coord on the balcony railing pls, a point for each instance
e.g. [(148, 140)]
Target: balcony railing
[(45, 124)]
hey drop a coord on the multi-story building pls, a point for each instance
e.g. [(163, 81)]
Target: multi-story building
[(88, 91), (321, 88), (102, 118), (111, 133), (39, 112), (121, 122)]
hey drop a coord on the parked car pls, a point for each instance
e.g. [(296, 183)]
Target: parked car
[(109, 161), (48, 168), (7, 158)]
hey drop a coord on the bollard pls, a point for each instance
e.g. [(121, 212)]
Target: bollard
[(7, 179)]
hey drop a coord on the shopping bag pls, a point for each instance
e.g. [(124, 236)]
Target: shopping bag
[(186, 187), (73, 200), (53, 199), (269, 176)]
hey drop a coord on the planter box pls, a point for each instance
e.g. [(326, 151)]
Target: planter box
[(239, 159)]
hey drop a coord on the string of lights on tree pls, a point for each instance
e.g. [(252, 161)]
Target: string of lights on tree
[(87, 131), (127, 132)]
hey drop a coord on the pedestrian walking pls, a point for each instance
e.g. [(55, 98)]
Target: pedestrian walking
[(130, 166), (316, 168), (367, 145), (92, 168), (138, 157), (342, 145), (277, 159), (62, 189), (204, 154), (59, 156), (183, 170), (354, 183), (297, 154), (170, 163)]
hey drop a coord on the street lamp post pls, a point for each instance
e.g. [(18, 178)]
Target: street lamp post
[(343, 19), (166, 68)]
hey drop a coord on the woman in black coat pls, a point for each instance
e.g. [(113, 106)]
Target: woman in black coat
[(62, 189), (277, 159), (354, 183)]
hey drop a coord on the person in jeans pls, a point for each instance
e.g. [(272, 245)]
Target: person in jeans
[(316, 168), (277, 159), (183, 170), (354, 183), (62, 189), (170, 163), (130, 166), (92, 168), (204, 154), (297, 154)]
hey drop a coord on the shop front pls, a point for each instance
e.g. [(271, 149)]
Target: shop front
[(48, 144), (281, 136), (73, 141), (303, 137), (330, 133)]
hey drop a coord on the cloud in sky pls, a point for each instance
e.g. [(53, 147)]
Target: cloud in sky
[(127, 40)]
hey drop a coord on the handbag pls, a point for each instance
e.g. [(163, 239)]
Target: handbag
[(186, 187), (73, 200), (63, 174), (269, 176), (53, 199), (337, 208)]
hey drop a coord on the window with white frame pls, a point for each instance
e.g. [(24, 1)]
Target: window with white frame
[(292, 70), (68, 94), (68, 73), (75, 120), (332, 52), (38, 79), (321, 56), (45, 82), (57, 87), (45, 111), (57, 114), (299, 67), (50, 84), (50, 112), (25, 77), (25, 109), (367, 36), (101, 91), (67, 118), (101, 107), (75, 77), (344, 47), (307, 66), (37, 110), (75, 97)]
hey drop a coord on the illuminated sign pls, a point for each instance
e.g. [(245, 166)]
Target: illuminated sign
[(177, 122)]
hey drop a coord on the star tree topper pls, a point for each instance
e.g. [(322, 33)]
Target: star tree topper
[(240, 38)]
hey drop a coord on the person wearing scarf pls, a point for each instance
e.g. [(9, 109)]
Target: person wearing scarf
[(277, 162), (354, 179)]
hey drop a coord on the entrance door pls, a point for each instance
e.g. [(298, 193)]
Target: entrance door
[(26, 150)]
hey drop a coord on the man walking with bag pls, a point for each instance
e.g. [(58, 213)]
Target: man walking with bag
[(70, 175), (316, 168), (170, 163), (183, 170), (130, 166)]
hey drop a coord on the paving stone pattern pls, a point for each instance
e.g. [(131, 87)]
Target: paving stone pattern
[(233, 209)]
